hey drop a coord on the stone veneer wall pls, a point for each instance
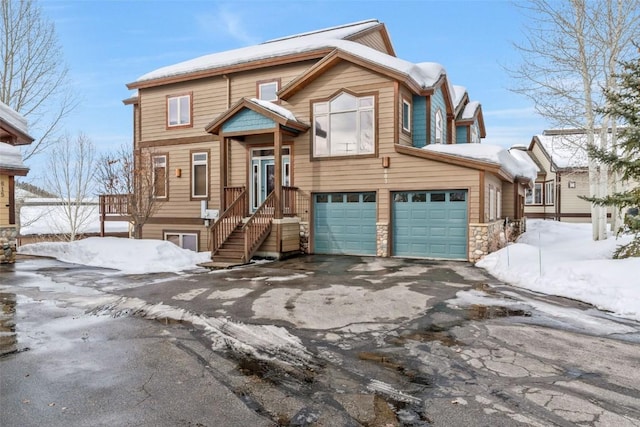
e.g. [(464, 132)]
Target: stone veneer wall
[(489, 237), (8, 241), (304, 237), (382, 239)]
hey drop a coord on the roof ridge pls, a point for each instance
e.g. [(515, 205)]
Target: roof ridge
[(323, 30)]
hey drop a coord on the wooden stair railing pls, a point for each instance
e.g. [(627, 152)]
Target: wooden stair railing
[(258, 227), (228, 221)]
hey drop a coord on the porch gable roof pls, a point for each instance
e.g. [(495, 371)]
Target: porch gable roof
[(250, 115)]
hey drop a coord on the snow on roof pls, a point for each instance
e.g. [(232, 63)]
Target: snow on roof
[(488, 153), (470, 110), (279, 110), (12, 117), (337, 32), (10, 157), (566, 151), (521, 153), (459, 92)]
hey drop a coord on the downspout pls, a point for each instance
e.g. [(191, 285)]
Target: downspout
[(224, 76)]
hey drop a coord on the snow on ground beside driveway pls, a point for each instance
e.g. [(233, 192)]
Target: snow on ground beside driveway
[(130, 256), (561, 259)]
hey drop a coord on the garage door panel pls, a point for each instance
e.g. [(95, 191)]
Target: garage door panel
[(346, 225), (430, 224)]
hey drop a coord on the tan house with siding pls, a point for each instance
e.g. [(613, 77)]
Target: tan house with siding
[(562, 177), (13, 133), (320, 143)]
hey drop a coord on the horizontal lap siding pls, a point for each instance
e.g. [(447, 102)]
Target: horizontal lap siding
[(245, 84), (373, 40), (367, 174), (570, 201)]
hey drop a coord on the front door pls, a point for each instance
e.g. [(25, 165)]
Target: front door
[(263, 172)]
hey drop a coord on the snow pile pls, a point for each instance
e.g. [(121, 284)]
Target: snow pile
[(488, 153), (10, 157), (12, 117), (275, 108), (127, 255), (561, 259)]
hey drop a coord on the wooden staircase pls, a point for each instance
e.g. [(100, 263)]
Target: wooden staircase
[(232, 250)]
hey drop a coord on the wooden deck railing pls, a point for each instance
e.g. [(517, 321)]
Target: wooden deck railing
[(258, 226), (295, 203), (114, 204), (231, 194), (229, 220)]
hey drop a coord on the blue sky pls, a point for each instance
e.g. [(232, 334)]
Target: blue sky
[(110, 43)]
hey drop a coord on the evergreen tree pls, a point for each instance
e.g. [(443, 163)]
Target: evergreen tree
[(624, 107)]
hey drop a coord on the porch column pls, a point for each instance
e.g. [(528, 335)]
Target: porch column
[(277, 148), (223, 171)]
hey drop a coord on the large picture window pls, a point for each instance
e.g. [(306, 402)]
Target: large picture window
[(344, 126), (199, 175), (179, 110)]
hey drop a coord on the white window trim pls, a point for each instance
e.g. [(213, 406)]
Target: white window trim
[(263, 84), (492, 204), (195, 163), (439, 127), (329, 113), (406, 125), (549, 193), (154, 177), (537, 189), (499, 204), (177, 99)]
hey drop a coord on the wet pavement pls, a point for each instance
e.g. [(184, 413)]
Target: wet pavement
[(309, 341)]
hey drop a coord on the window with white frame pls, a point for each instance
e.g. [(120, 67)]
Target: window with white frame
[(533, 195), (439, 126), (474, 134), (406, 116), (549, 193), (184, 240), (268, 91), (492, 203), (159, 176), (498, 204), (344, 126), (179, 110), (199, 174)]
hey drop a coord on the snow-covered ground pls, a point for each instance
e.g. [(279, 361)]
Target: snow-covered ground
[(558, 258), (551, 257), (126, 255)]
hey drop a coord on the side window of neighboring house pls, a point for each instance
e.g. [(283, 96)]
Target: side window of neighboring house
[(179, 110), (159, 176), (184, 240), (268, 90), (549, 193), (344, 126), (534, 195), (492, 203), (439, 128), (498, 204), (200, 175), (406, 115)]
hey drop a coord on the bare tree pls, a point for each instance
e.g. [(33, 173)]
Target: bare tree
[(129, 173), (71, 177), (33, 76), (571, 51)]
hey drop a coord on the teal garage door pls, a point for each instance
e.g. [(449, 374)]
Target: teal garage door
[(430, 224), (344, 223)]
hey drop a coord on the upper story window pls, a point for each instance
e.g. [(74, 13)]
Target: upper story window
[(179, 110), (439, 128), (533, 195), (159, 176), (474, 134), (268, 90), (344, 126), (406, 116), (549, 193), (199, 175)]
